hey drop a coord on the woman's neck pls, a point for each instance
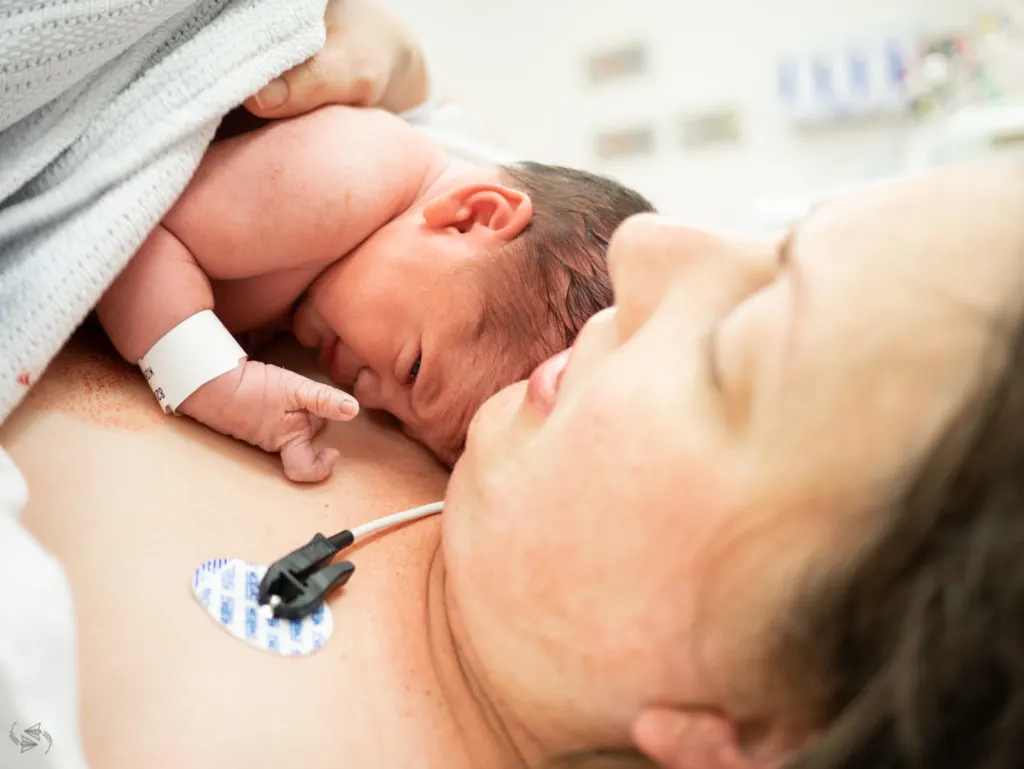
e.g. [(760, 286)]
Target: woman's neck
[(484, 734)]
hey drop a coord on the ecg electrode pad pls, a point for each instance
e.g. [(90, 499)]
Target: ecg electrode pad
[(228, 589)]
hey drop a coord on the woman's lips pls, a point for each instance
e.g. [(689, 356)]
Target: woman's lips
[(542, 388)]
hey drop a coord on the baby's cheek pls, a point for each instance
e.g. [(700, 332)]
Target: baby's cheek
[(440, 435), (442, 440), (347, 369), (445, 432), (457, 430), (450, 456)]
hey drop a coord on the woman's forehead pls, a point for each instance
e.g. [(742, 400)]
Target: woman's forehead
[(901, 291), (956, 233), (924, 270)]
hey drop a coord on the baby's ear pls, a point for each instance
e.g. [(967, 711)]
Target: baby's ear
[(491, 212)]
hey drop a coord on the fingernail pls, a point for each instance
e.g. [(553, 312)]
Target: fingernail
[(349, 407), (273, 95)]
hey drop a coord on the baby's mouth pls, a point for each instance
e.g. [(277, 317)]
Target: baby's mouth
[(327, 350), (311, 329)]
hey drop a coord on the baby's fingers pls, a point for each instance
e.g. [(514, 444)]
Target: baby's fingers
[(322, 400), (303, 463)]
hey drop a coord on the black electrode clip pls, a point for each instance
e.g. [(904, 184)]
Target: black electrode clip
[(295, 585)]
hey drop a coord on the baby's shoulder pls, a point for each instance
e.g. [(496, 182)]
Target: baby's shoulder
[(355, 129)]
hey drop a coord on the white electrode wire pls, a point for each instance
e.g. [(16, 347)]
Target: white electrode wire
[(396, 518)]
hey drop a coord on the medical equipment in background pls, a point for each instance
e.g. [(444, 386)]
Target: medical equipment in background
[(962, 100), (967, 91), (857, 81), (296, 584)]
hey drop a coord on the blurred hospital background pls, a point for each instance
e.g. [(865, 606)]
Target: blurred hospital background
[(735, 113)]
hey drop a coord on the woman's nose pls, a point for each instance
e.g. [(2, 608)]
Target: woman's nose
[(651, 258)]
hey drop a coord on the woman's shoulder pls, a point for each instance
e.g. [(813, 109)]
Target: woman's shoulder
[(142, 499)]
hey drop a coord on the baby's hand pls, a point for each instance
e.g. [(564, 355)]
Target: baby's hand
[(277, 410)]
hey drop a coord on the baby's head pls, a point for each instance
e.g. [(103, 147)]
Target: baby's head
[(488, 274)]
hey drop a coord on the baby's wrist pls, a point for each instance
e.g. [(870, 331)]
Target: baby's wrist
[(189, 356), (212, 398)]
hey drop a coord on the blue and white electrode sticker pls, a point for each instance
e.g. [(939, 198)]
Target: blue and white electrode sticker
[(228, 589)]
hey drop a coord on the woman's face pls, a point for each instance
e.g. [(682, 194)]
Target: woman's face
[(632, 533)]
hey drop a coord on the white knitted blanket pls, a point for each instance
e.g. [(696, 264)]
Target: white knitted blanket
[(106, 108)]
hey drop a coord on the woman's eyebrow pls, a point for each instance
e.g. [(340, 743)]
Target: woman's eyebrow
[(794, 273), (787, 246)]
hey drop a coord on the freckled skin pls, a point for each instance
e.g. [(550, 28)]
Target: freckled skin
[(108, 392), (153, 672)]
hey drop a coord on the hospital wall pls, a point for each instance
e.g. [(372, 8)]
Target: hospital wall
[(521, 68)]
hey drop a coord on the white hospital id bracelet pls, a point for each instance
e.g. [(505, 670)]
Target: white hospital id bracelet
[(188, 356)]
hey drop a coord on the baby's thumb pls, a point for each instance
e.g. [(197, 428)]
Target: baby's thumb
[(323, 401)]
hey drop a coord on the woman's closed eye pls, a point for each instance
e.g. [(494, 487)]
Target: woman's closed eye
[(714, 369), (712, 338)]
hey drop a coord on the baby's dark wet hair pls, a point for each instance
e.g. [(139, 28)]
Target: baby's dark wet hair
[(537, 291), (550, 280)]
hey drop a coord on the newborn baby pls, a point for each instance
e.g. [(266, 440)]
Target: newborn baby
[(427, 283)]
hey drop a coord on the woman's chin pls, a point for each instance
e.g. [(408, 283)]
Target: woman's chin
[(492, 428)]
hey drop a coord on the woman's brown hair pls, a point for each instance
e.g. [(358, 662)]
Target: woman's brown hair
[(919, 648)]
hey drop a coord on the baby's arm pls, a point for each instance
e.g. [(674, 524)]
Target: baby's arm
[(267, 406), (293, 197), (265, 202)]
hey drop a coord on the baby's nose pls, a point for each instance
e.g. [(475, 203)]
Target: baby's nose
[(347, 364), (376, 392), (367, 388)]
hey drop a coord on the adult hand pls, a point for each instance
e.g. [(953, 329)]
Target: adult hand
[(370, 59)]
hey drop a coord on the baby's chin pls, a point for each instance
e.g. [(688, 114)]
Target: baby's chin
[(495, 414), (442, 449)]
